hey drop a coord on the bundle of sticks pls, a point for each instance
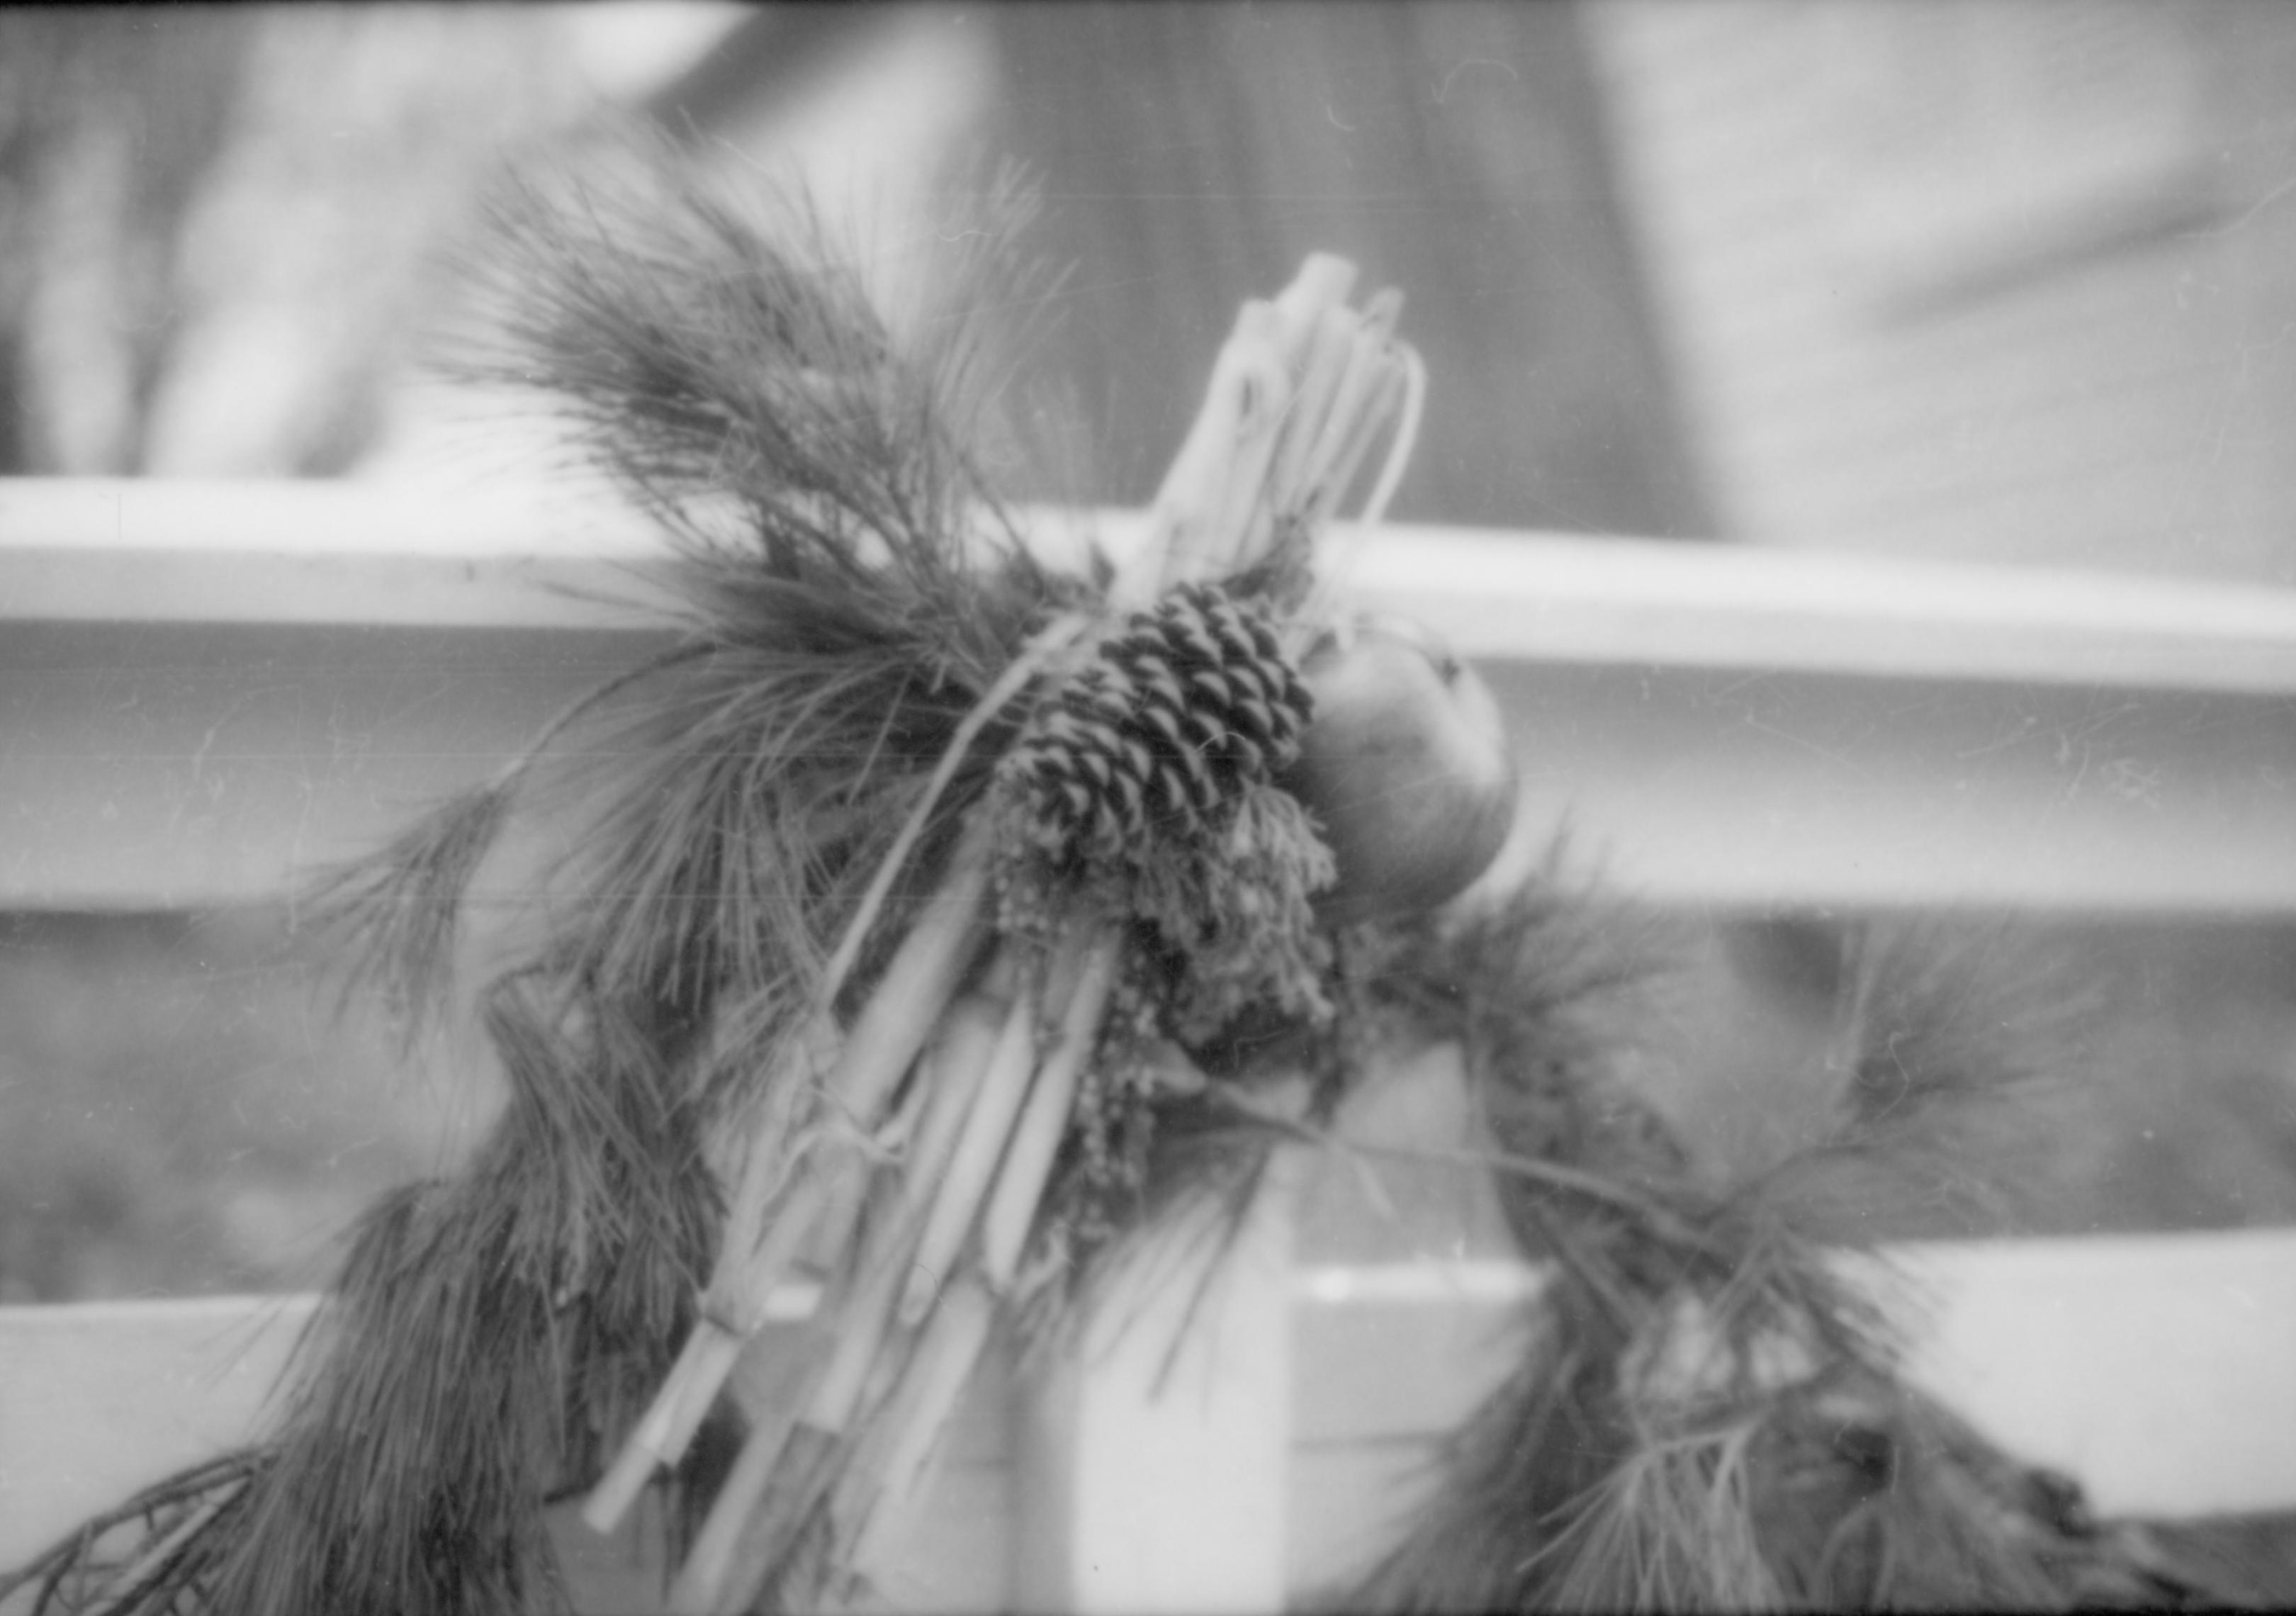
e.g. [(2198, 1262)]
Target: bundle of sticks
[(911, 1176)]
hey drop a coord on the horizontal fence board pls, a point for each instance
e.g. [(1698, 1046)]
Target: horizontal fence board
[(141, 769), (98, 1399), (205, 689), (1755, 790), (2156, 1369), (2161, 1370), (169, 551), (164, 767), (261, 553), (956, 1559), (1643, 603)]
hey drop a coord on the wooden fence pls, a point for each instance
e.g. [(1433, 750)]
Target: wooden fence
[(203, 687)]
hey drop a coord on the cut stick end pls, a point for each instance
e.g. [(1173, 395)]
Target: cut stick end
[(1324, 279), (668, 1427), (609, 1503), (917, 1298)]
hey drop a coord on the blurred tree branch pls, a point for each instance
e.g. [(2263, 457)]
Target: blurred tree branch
[(219, 226)]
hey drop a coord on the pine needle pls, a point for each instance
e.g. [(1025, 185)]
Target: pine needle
[(395, 914), (1704, 1414), (752, 830)]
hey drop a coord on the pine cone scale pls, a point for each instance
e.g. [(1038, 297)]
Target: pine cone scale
[(1183, 708)]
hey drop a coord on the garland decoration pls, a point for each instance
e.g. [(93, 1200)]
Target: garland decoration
[(929, 923), (887, 911)]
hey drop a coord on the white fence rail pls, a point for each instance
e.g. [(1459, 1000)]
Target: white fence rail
[(202, 686), (2157, 1369)]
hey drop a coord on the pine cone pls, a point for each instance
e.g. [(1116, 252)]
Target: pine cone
[(1192, 701)]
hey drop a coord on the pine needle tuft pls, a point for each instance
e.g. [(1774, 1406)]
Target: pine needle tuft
[(394, 915), (843, 586), (1705, 1414)]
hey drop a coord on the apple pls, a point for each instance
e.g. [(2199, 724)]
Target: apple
[(1406, 764)]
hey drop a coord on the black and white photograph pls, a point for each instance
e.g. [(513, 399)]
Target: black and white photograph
[(1148, 808)]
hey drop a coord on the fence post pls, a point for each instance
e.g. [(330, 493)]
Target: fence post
[(1154, 1460)]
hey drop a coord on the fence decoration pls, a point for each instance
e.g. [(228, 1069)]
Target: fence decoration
[(1695, 1375)]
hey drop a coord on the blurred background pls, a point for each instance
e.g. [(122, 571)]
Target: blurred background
[(2011, 280)]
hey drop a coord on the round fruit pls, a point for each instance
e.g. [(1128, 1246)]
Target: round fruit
[(1406, 764)]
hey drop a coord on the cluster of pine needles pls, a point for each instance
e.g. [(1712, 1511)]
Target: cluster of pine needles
[(1707, 1413), (846, 588), (724, 861)]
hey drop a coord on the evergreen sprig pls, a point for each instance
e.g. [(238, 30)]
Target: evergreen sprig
[(1705, 1413), (842, 589)]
